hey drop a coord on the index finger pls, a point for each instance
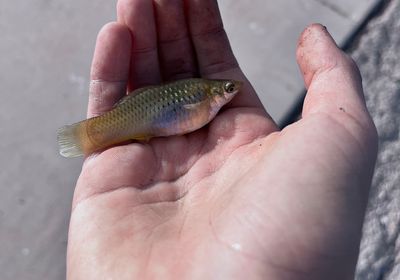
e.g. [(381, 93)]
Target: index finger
[(110, 68)]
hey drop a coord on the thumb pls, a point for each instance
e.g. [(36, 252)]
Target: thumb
[(333, 83)]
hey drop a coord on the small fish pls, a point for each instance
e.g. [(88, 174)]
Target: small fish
[(170, 109)]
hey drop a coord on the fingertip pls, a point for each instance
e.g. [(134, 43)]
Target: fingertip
[(112, 50), (325, 67), (332, 78), (314, 29), (115, 33), (316, 50), (114, 27), (110, 68)]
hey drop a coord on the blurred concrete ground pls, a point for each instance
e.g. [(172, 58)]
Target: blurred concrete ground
[(377, 52), (45, 52)]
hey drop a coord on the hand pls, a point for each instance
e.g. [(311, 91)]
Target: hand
[(238, 199)]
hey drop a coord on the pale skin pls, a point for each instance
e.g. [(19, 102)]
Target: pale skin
[(238, 199)]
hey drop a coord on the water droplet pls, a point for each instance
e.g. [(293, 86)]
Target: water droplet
[(237, 246)]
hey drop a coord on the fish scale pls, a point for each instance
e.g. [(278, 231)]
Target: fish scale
[(170, 109)]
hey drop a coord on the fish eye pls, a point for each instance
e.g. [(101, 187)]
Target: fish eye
[(229, 87)]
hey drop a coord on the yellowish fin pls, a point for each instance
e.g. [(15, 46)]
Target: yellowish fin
[(69, 140)]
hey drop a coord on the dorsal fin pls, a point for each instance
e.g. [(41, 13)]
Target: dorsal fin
[(135, 92)]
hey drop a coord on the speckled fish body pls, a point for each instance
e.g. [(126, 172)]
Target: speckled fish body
[(171, 109)]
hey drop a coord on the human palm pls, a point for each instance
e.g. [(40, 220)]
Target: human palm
[(238, 198)]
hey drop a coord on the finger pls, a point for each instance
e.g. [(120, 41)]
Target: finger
[(174, 45), (333, 82), (331, 77), (213, 52), (110, 68), (138, 15), (211, 43)]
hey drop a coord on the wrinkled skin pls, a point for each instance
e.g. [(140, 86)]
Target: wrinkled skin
[(238, 199)]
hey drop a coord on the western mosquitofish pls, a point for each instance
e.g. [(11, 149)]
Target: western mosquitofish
[(174, 108)]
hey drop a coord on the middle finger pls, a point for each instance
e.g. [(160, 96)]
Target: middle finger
[(138, 15), (176, 53)]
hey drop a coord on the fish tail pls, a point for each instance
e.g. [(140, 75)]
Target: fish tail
[(70, 139)]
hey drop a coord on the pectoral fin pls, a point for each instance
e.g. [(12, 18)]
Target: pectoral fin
[(195, 106)]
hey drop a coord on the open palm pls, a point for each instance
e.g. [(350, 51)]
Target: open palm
[(238, 198)]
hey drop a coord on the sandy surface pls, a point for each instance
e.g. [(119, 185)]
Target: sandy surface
[(377, 53)]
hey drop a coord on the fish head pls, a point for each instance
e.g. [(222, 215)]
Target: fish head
[(224, 90)]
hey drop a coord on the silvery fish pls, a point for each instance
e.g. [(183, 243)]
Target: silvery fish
[(174, 108)]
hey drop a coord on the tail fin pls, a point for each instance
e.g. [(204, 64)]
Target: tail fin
[(69, 140)]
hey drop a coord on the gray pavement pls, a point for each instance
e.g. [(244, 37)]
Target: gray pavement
[(46, 48), (45, 54), (377, 52), (264, 38)]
